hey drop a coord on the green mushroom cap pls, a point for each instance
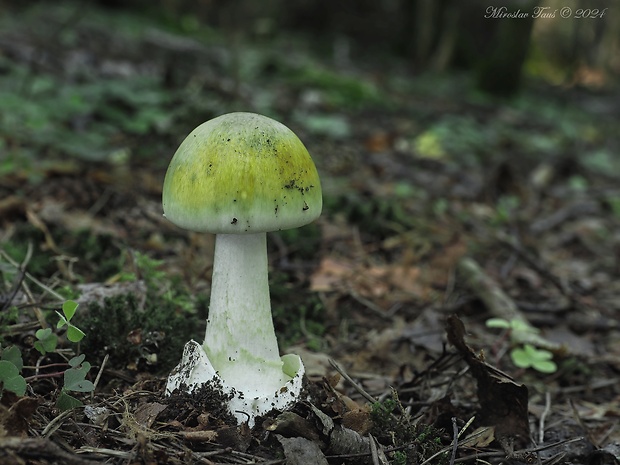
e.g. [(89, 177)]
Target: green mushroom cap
[(241, 173)]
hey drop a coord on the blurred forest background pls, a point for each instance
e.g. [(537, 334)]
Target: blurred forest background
[(366, 49), (443, 130)]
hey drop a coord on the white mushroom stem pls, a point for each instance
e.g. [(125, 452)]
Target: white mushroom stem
[(240, 339), (240, 350)]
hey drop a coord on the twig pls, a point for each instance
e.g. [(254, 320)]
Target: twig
[(466, 440), (51, 426), (105, 360), (369, 305), (39, 448), (8, 258), (356, 386), (543, 417), (500, 305), (479, 455), (107, 452), (583, 425), (19, 278), (514, 245), (455, 440), (373, 451)]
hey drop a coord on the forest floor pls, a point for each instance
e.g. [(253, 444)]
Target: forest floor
[(456, 302)]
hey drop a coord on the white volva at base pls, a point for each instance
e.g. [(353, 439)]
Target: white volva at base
[(195, 369)]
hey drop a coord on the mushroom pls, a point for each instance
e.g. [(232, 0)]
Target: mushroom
[(239, 176)]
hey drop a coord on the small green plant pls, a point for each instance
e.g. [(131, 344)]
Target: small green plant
[(399, 458), (529, 356), (525, 355), (393, 426), (11, 363), (74, 381), (10, 367), (74, 334), (46, 341), (381, 412), (150, 271)]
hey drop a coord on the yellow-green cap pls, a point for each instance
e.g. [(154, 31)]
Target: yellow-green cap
[(241, 173)]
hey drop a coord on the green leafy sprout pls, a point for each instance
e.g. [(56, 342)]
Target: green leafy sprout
[(11, 365), (46, 341), (11, 362), (74, 334), (526, 355), (74, 381)]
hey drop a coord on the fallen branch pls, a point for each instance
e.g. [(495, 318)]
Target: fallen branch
[(500, 305), (13, 448)]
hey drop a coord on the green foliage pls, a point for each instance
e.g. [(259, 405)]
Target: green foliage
[(529, 356), (399, 458), (13, 355), (163, 322), (168, 288), (526, 356), (75, 377), (459, 138), (44, 113), (393, 426), (301, 243), (74, 334), (46, 341), (147, 268), (339, 90), (382, 412), (333, 126), (10, 379), (65, 401), (515, 326), (11, 365), (74, 381), (163, 325)]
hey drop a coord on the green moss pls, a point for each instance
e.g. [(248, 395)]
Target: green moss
[(163, 330), (394, 427)]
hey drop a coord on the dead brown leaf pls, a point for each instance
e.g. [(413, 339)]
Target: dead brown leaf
[(503, 402)]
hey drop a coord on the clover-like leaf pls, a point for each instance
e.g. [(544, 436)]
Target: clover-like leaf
[(67, 402), (69, 308), (10, 379), (529, 356), (62, 321), (46, 341), (75, 379), (74, 334), (523, 326), (545, 366), (76, 361), (12, 354), (498, 323), (521, 358)]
